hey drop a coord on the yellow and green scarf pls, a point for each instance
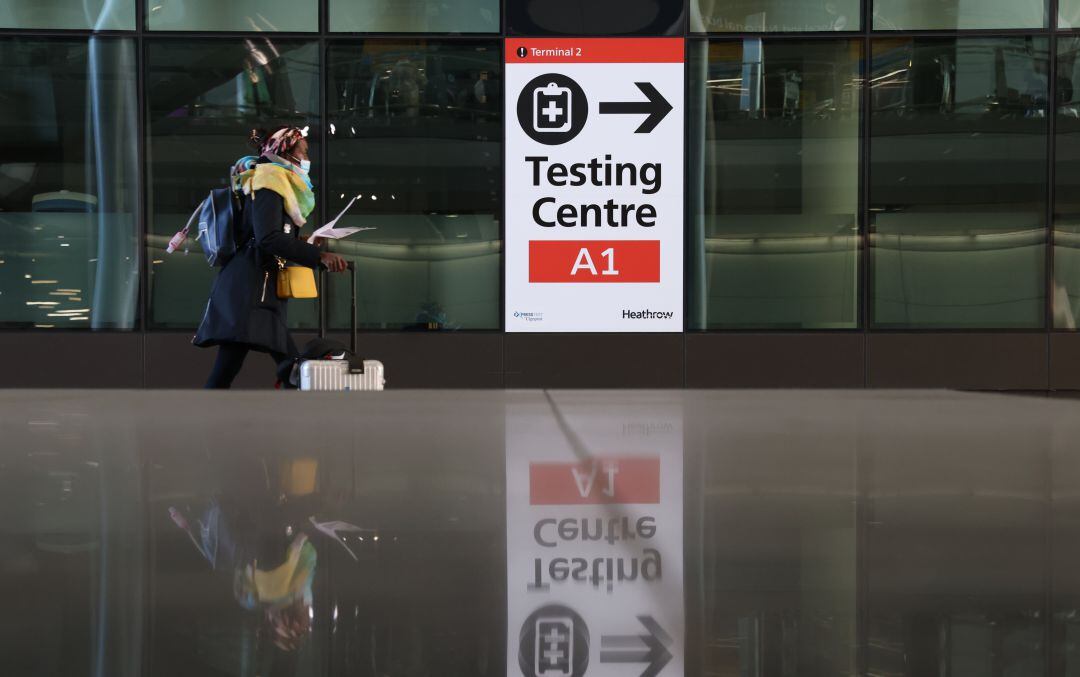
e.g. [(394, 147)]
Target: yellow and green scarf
[(281, 586), (250, 175)]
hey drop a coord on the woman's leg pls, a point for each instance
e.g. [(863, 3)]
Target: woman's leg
[(282, 368), (230, 359)]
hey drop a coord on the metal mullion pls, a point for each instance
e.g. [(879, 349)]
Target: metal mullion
[(781, 35), (347, 38), (862, 505), (64, 33), (322, 310), (814, 35), (324, 163), (409, 36), (963, 33), (142, 225), (1049, 644), (866, 286), (1051, 153), (504, 32), (230, 35), (688, 177), (142, 188), (863, 479)]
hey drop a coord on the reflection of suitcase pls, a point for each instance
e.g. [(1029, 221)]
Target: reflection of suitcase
[(350, 372)]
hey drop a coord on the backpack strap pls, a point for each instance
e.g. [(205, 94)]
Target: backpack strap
[(182, 234), (194, 215)]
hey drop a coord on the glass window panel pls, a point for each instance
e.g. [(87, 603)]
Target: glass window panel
[(595, 17), (102, 15), (956, 542), (414, 16), (74, 536), (773, 16), (233, 15), (958, 182), (775, 184), (416, 131), (203, 99), (1069, 13), (1067, 208), (778, 553), (896, 15), (68, 183), (1063, 476)]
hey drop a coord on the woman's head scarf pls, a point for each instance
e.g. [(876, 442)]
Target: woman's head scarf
[(276, 173), (281, 142)]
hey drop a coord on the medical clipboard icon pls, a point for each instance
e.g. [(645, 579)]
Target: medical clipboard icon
[(552, 108), (554, 651)]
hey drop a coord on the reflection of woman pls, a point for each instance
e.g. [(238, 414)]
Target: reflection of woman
[(244, 312), (406, 84), (262, 579)]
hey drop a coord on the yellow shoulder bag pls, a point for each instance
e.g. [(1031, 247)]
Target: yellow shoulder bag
[(295, 282)]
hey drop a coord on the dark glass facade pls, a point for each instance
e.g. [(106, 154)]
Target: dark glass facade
[(415, 135), (958, 153), (854, 168), (69, 187), (776, 202), (203, 98)]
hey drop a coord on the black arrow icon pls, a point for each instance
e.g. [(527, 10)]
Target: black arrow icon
[(650, 648), (657, 108)]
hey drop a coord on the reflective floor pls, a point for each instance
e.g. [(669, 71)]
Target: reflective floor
[(869, 533)]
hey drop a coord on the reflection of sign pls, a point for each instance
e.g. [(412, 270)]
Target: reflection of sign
[(594, 545), (650, 648), (614, 480), (554, 641), (594, 176)]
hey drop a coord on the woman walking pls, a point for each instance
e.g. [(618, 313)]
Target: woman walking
[(244, 312)]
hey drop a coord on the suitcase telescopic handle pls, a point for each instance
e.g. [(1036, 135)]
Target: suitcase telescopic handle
[(351, 266), (322, 302), (352, 305)]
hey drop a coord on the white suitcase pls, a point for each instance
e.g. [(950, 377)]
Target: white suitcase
[(343, 374), (339, 375)]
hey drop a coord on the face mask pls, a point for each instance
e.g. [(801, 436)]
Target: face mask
[(305, 166)]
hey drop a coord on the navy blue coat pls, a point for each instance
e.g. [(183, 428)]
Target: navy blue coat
[(244, 307)]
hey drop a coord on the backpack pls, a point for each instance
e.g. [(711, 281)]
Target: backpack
[(219, 217)]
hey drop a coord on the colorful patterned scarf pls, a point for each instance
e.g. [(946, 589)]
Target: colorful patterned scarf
[(250, 175), (281, 586)]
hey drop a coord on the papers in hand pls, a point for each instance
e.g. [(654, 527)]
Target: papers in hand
[(331, 232)]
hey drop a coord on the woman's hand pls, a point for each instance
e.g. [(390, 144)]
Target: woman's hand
[(332, 262)]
